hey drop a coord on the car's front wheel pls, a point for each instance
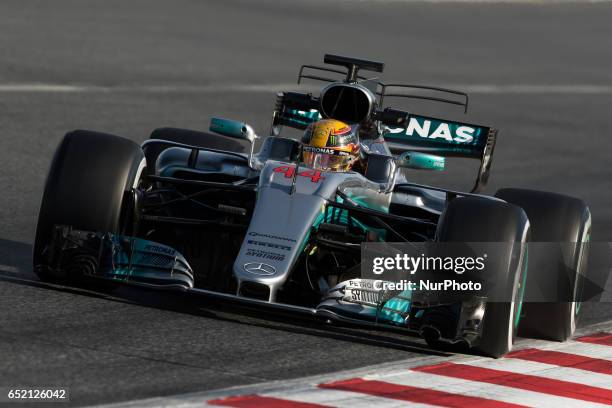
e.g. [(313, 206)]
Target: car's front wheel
[(91, 177), (480, 220)]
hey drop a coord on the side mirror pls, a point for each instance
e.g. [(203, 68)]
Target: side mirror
[(233, 128), (421, 161)]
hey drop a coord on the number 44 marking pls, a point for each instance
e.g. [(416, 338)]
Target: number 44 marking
[(289, 171)]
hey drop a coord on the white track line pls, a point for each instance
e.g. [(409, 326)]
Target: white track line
[(341, 399), (576, 347), (482, 390), (573, 375), (585, 89)]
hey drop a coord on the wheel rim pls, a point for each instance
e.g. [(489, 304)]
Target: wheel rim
[(575, 307), (521, 290), (516, 304), (579, 285)]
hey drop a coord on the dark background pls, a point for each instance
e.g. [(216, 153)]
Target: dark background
[(542, 73)]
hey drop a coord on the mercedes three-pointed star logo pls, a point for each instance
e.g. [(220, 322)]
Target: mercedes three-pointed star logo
[(258, 268)]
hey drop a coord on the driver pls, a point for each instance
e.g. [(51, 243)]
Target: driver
[(330, 145)]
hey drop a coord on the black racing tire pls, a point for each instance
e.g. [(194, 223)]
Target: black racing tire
[(554, 218), (475, 219), (90, 178), (192, 138)]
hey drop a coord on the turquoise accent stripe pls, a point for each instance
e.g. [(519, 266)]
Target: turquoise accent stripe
[(517, 318), (396, 309)]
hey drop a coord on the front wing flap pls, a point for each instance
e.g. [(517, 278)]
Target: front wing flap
[(119, 258)]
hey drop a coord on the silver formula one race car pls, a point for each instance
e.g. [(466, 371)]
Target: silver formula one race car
[(282, 228)]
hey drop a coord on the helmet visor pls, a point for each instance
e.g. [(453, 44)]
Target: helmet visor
[(333, 161)]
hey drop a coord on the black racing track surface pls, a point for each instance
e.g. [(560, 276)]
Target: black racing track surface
[(139, 344)]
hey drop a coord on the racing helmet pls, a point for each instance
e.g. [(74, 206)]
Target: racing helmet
[(330, 145)]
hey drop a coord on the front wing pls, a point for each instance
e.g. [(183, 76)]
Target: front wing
[(136, 261)]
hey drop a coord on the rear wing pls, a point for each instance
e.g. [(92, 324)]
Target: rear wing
[(416, 132), (445, 138)]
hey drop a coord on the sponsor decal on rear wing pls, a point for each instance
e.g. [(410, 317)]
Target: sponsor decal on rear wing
[(444, 137)]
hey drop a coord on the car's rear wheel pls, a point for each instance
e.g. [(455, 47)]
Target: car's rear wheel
[(562, 225), (91, 177), (475, 220)]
